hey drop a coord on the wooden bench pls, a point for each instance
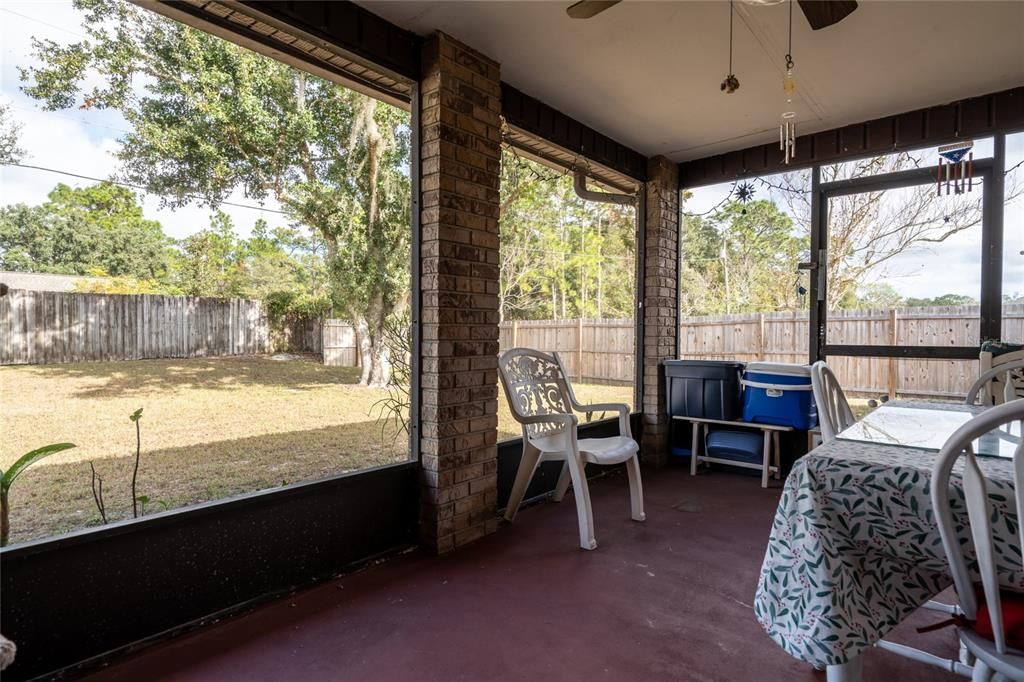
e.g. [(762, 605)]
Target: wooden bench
[(771, 437)]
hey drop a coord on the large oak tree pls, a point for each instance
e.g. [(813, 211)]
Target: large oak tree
[(208, 118)]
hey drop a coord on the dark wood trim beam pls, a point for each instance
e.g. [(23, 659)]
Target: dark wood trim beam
[(1000, 112), (533, 116), (359, 31)]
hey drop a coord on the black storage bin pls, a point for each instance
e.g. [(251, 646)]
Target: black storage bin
[(704, 388)]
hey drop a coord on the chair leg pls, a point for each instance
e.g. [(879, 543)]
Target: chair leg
[(563, 484), (982, 673), (527, 465), (851, 671), (581, 492), (766, 458), (636, 489), (694, 446), (778, 455)]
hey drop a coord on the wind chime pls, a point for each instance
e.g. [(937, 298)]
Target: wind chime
[(956, 168), (787, 127)]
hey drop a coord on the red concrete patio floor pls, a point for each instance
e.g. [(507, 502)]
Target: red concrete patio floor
[(668, 599)]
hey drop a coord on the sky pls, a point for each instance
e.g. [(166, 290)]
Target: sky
[(956, 260), (76, 141)]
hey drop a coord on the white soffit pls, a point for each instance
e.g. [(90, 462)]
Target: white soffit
[(647, 74)]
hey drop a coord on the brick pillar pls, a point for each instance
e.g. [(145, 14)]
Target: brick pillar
[(461, 156), (661, 304)]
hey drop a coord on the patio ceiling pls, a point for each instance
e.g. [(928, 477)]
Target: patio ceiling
[(647, 74)]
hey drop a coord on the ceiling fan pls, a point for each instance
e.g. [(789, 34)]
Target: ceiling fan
[(819, 13)]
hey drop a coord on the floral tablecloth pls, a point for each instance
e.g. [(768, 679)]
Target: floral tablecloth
[(854, 548)]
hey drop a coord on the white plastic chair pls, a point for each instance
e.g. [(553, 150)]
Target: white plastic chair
[(991, 657), (542, 401), (834, 413), (1001, 384)]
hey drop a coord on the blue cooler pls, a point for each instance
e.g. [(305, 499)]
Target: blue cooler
[(779, 393)]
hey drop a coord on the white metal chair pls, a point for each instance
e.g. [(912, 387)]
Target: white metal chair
[(834, 413), (989, 360), (542, 401), (1001, 384), (991, 657)]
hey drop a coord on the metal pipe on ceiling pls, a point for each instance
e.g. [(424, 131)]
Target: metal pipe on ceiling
[(580, 185)]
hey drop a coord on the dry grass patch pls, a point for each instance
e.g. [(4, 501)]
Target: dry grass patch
[(211, 428)]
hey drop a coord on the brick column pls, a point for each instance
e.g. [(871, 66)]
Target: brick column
[(460, 150), (661, 303)]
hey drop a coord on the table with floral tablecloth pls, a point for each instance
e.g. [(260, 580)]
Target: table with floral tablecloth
[(854, 548)]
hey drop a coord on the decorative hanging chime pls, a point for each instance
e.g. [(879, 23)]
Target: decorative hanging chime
[(956, 167), (787, 127), (731, 84)]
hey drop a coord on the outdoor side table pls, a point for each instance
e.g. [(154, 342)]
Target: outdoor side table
[(771, 438)]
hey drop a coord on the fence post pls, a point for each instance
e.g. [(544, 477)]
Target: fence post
[(893, 362), (579, 349), (760, 336), (515, 334)]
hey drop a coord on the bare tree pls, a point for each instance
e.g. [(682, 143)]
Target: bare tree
[(866, 231)]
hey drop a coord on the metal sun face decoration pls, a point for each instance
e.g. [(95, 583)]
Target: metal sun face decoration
[(744, 192), (956, 168)]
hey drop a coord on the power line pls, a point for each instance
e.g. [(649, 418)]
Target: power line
[(71, 118), (40, 21), (141, 188)]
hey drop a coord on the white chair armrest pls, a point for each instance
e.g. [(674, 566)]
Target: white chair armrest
[(621, 408)]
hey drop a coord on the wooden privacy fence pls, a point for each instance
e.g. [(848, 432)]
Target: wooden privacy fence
[(783, 337), (592, 350), (339, 344), (602, 350), (41, 327), (38, 327)]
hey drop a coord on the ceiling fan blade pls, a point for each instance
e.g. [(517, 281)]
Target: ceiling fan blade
[(823, 13), (588, 8)]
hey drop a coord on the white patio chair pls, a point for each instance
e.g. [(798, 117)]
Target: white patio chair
[(834, 413), (542, 401), (990, 657), (1001, 384), (988, 360)]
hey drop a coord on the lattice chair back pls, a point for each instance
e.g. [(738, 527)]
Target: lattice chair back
[(1001, 384), (834, 413), (535, 385), (997, 421)]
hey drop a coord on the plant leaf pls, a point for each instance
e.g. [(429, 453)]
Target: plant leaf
[(136, 415), (30, 458)]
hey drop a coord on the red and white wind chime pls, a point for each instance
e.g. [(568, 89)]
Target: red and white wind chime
[(956, 168)]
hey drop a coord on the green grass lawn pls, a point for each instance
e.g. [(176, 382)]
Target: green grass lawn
[(211, 428)]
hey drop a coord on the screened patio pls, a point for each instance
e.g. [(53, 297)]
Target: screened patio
[(412, 570)]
